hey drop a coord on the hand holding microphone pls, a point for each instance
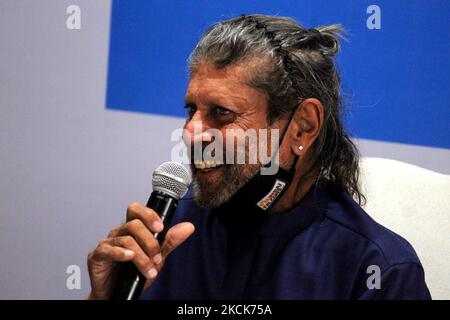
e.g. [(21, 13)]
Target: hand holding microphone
[(129, 259)]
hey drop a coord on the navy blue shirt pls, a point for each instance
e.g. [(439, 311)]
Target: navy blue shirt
[(327, 247)]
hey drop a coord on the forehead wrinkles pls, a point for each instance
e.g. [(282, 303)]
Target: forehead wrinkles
[(229, 83), (209, 91)]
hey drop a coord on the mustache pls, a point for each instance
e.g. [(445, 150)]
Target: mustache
[(224, 154), (205, 151)]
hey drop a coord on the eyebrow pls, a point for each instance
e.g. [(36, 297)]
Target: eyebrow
[(188, 101), (210, 104), (218, 102)]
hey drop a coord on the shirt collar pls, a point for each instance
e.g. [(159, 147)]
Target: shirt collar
[(312, 207)]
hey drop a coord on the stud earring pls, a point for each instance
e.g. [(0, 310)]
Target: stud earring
[(300, 147)]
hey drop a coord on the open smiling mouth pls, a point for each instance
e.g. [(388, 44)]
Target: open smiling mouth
[(207, 166)]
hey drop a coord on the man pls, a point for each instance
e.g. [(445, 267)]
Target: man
[(295, 234)]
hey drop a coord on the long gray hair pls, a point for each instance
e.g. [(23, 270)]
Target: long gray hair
[(299, 65)]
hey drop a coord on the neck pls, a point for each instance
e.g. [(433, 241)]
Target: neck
[(298, 188)]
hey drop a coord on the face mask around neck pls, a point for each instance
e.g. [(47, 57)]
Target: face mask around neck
[(263, 191)]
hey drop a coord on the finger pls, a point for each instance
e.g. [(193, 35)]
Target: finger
[(140, 259), (150, 218), (142, 235), (113, 233), (107, 252), (176, 236)]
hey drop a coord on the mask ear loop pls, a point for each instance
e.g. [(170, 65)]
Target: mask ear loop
[(292, 170)]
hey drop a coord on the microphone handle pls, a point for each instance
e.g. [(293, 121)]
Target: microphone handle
[(130, 282)]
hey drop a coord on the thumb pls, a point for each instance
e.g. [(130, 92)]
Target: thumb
[(176, 236)]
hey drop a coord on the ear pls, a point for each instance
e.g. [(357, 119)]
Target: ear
[(306, 125)]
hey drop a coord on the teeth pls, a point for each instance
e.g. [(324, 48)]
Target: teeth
[(207, 164)]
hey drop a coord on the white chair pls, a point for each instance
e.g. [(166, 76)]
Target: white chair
[(415, 203)]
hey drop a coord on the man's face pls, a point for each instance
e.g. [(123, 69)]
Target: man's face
[(219, 99)]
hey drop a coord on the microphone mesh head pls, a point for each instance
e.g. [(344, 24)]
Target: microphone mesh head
[(172, 178)]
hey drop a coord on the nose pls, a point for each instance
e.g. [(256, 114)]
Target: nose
[(196, 130)]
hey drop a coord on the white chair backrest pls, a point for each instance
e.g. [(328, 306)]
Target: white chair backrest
[(415, 203)]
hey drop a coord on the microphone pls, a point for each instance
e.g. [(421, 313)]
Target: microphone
[(170, 182)]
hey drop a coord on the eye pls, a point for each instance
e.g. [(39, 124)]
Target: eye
[(191, 109), (221, 111)]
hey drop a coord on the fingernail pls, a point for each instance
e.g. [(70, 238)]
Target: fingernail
[(129, 253), (157, 226), (152, 273), (157, 258)]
